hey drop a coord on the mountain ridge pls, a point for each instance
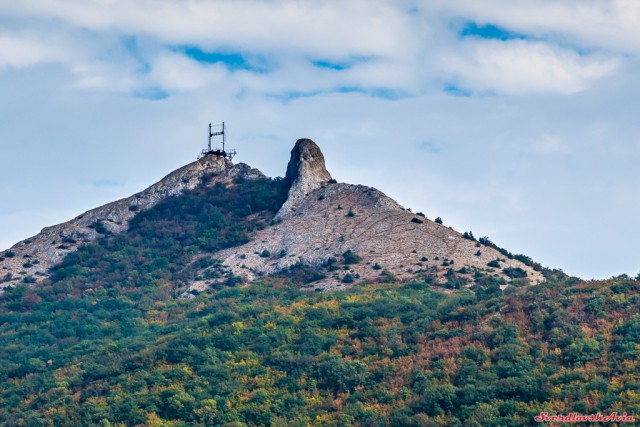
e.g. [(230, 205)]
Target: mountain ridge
[(29, 260), (318, 223)]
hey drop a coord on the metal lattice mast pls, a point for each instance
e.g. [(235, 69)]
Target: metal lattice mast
[(216, 134), (210, 135)]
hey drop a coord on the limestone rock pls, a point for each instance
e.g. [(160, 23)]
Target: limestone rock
[(306, 172), (389, 240)]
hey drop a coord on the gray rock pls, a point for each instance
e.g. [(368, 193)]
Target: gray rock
[(306, 172)]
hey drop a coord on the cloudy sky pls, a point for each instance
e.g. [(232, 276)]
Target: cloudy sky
[(516, 120)]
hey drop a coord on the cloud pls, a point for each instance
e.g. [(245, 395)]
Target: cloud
[(26, 51), (587, 24), (175, 72), (315, 27), (521, 66), (376, 46), (529, 105)]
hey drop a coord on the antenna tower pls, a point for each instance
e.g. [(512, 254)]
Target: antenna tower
[(229, 155), (216, 134)]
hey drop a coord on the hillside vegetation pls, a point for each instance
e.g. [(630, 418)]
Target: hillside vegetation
[(107, 342)]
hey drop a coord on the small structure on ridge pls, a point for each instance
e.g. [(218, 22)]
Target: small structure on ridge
[(222, 153)]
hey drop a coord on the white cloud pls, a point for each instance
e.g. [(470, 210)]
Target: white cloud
[(406, 52), (26, 51), (518, 168), (319, 28), (172, 71), (611, 24), (520, 66)]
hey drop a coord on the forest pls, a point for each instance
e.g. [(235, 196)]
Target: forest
[(107, 340)]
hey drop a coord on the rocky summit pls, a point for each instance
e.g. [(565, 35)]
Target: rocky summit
[(352, 233), (306, 172)]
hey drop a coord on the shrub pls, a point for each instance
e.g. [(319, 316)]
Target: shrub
[(348, 278), (350, 257), (99, 227), (134, 208), (468, 235), (302, 274), (478, 253), (331, 264), (265, 253), (416, 220), (438, 220), (350, 213), (333, 181), (454, 282), (9, 254), (233, 280), (494, 263), (424, 258), (485, 241), (376, 266), (421, 214), (524, 259), (388, 277), (514, 272)]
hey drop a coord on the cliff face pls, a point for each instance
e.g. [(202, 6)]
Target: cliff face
[(306, 172), (29, 260)]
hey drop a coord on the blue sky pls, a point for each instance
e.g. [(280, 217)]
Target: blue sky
[(516, 120)]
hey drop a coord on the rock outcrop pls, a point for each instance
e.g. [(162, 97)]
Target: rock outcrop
[(29, 260), (322, 219), (306, 172), (389, 240)]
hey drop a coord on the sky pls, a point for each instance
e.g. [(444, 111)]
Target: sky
[(514, 120)]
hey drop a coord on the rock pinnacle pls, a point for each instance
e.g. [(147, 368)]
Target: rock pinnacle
[(306, 172)]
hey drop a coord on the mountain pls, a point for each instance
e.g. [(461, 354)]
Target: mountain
[(222, 297), (318, 223)]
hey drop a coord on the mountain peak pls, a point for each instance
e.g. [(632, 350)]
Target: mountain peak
[(306, 172)]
